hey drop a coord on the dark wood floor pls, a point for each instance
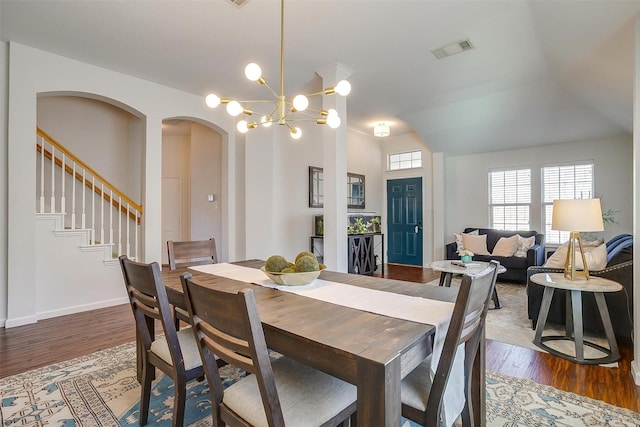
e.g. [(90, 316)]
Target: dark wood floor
[(53, 340)]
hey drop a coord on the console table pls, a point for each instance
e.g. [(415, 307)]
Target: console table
[(360, 252), (573, 327)]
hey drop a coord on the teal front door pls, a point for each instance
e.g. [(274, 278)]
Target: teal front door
[(404, 221)]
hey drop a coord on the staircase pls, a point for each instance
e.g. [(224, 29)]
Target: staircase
[(80, 202)]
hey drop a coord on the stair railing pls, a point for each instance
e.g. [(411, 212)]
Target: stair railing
[(114, 216)]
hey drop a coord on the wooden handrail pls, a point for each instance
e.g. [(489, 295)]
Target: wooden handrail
[(70, 155)]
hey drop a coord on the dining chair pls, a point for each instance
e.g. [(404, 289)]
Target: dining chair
[(186, 254), (275, 394), (176, 353), (421, 392), (192, 252)]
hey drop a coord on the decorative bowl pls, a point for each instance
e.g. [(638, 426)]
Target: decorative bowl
[(292, 279)]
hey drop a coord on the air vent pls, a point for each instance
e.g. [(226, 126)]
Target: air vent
[(452, 49), (238, 2)]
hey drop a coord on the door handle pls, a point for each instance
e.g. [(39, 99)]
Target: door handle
[(417, 228)]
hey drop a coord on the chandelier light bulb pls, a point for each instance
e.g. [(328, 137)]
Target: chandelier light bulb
[(242, 126), (234, 108), (300, 102), (212, 100), (334, 121), (253, 72), (266, 121), (296, 133), (332, 113), (343, 88)]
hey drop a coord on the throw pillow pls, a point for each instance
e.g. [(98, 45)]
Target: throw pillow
[(596, 258), (506, 246), (476, 244), (524, 243), (458, 237)]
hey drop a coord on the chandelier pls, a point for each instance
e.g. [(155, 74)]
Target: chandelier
[(284, 111)]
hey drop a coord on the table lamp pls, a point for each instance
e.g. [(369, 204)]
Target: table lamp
[(576, 215)]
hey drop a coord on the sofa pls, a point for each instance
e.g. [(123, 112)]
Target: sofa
[(516, 266), (619, 268)]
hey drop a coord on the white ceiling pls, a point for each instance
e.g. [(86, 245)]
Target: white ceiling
[(541, 72)]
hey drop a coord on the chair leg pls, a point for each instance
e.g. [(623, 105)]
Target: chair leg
[(148, 373), (180, 395)]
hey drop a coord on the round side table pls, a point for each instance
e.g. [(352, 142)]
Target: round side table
[(448, 268), (574, 328)]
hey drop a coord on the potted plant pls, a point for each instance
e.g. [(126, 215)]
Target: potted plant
[(465, 255)]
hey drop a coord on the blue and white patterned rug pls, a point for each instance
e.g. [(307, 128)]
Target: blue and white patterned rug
[(101, 390)]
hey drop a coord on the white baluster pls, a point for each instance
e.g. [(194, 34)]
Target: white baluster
[(73, 197), (53, 180), (128, 231), (119, 226), (111, 219), (93, 210), (102, 213), (84, 196), (137, 225), (42, 175), (63, 207)]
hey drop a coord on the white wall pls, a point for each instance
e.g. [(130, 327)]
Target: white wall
[(36, 72), (467, 181)]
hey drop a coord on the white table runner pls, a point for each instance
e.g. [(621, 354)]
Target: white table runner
[(415, 309)]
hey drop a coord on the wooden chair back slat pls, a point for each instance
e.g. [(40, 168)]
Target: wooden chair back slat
[(190, 253)]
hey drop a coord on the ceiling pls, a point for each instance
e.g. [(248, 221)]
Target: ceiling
[(541, 72)]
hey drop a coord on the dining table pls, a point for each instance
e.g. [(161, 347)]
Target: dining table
[(372, 351)]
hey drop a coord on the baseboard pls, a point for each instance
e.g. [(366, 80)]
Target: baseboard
[(80, 308), (635, 371), (20, 321)]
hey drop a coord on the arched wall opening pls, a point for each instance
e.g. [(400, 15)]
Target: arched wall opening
[(192, 182)]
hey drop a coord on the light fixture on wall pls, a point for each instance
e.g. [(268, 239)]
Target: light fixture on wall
[(284, 111), (381, 130), (576, 215)]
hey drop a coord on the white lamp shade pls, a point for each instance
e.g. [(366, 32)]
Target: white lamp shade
[(577, 215)]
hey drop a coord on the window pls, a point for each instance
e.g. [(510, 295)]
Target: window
[(510, 199), (409, 160), (563, 182)]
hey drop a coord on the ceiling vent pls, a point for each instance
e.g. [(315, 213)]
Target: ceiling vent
[(238, 2), (452, 49)]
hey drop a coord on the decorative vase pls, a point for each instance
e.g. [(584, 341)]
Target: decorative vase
[(466, 258)]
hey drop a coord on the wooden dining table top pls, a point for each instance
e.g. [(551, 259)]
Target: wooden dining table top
[(369, 350)]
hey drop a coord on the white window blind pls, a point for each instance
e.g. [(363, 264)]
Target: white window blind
[(408, 160), (510, 199), (574, 181)]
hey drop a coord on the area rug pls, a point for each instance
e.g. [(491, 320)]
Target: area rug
[(101, 390)]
